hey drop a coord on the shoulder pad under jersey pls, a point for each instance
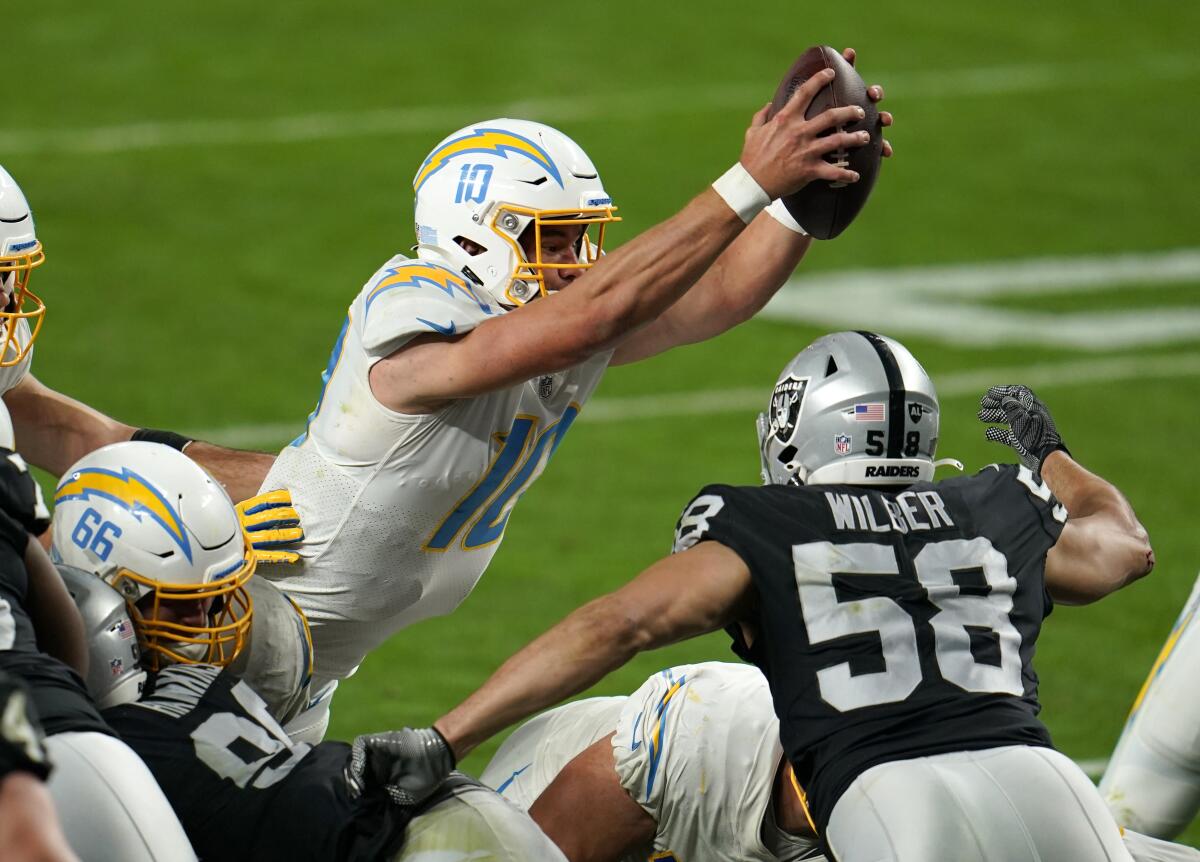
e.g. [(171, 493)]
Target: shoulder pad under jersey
[(406, 298)]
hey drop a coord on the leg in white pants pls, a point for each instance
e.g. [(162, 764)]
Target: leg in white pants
[(476, 824), (1012, 804), (110, 806)]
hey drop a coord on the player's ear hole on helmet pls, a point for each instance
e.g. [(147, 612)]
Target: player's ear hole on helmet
[(831, 367)]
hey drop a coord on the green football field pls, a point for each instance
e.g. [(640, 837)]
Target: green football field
[(213, 182)]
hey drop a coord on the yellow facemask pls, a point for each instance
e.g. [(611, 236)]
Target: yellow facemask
[(24, 305)]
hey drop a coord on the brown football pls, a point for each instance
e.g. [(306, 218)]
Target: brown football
[(822, 208)]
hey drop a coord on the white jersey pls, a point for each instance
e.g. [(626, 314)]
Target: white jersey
[(402, 513), (697, 747), (11, 375)]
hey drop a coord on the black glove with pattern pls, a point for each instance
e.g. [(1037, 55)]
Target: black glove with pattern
[(407, 764), (1026, 424)]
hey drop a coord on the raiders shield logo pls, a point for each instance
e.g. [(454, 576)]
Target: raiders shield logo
[(914, 411), (786, 401)]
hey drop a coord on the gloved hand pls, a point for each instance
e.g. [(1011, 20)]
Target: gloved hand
[(1026, 424), (407, 764), (272, 526)]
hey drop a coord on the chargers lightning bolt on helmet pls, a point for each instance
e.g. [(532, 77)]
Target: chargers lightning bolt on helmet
[(153, 525), (20, 252), (489, 182), (854, 408), (115, 673)]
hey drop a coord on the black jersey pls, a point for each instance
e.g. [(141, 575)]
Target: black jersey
[(891, 623), (59, 696), (241, 788), (21, 746)]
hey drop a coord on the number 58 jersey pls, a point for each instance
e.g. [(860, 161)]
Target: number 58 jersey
[(890, 623), (403, 512)]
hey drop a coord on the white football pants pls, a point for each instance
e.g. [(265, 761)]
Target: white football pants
[(110, 806), (1011, 804), (476, 824), (1152, 783)]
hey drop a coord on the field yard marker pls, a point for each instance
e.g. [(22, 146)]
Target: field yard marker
[(948, 303), (749, 400), (648, 103)]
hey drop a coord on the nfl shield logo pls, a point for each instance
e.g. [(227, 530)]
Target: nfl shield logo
[(115, 666), (842, 444)]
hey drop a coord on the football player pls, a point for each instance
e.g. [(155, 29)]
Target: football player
[(29, 828), (457, 373), (894, 617), (664, 768), (1152, 783), (41, 643), (158, 553), (53, 429)]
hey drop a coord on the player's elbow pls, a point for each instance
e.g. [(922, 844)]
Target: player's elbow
[(619, 628)]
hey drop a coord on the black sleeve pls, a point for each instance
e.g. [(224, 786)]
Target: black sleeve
[(20, 495), (20, 734)]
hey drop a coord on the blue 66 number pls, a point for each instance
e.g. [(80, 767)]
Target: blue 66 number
[(94, 533)]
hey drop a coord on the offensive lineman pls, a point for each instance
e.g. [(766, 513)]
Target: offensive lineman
[(1152, 782), (173, 548), (667, 764), (893, 617), (457, 374)]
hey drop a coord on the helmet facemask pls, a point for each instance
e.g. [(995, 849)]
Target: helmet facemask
[(528, 278), (15, 270), (228, 616)]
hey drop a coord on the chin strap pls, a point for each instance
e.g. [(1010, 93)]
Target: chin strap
[(803, 797), (949, 462)]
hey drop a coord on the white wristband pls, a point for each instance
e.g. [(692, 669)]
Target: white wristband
[(743, 194), (780, 213)]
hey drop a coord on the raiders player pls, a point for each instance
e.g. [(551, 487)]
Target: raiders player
[(163, 534), (893, 617), (29, 827), (1152, 782)]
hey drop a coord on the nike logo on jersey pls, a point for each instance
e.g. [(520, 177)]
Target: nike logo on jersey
[(444, 330), (512, 778), (636, 743)]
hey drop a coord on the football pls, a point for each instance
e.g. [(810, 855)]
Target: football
[(822, 208)]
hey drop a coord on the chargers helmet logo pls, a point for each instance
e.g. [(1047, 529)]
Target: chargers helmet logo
[(496, 142), (129, 491)]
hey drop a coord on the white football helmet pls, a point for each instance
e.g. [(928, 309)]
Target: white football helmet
[(115, 674), (20, 252), (153, 525), (487, 183), (854, 408)]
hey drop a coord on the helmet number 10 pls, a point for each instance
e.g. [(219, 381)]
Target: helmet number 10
[(473, 182), (95, 534)]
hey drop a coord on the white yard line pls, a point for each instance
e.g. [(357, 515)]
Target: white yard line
[(637, 104), (750, 400), (948, 303)]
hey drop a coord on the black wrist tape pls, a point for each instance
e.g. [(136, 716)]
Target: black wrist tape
[(167, 438)]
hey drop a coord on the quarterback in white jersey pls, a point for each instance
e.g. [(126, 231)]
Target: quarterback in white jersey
[(456, 374), (1152, 783), (696, 747)]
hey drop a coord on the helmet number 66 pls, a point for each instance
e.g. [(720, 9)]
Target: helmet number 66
[(95, 534)]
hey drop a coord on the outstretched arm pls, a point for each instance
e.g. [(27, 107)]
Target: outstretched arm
[(1103, 547), (54, 431), (740, 282), (681, 596)]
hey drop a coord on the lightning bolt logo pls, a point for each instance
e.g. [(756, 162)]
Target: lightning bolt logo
[(418, 273), (494, 141), (129, 491)]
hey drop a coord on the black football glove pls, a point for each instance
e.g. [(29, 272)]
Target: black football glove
[(407, 764), (1026, 424)]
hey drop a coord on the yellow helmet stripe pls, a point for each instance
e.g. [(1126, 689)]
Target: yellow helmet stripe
[(492, 141), (130, 491)]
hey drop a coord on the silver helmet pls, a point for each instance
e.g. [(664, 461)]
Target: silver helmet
[(115, 673), (854, 408)]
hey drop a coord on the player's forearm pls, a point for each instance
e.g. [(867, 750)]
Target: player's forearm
[(53, 431), (242, 473), (56, 620), (569, 658), (1087, 495)]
